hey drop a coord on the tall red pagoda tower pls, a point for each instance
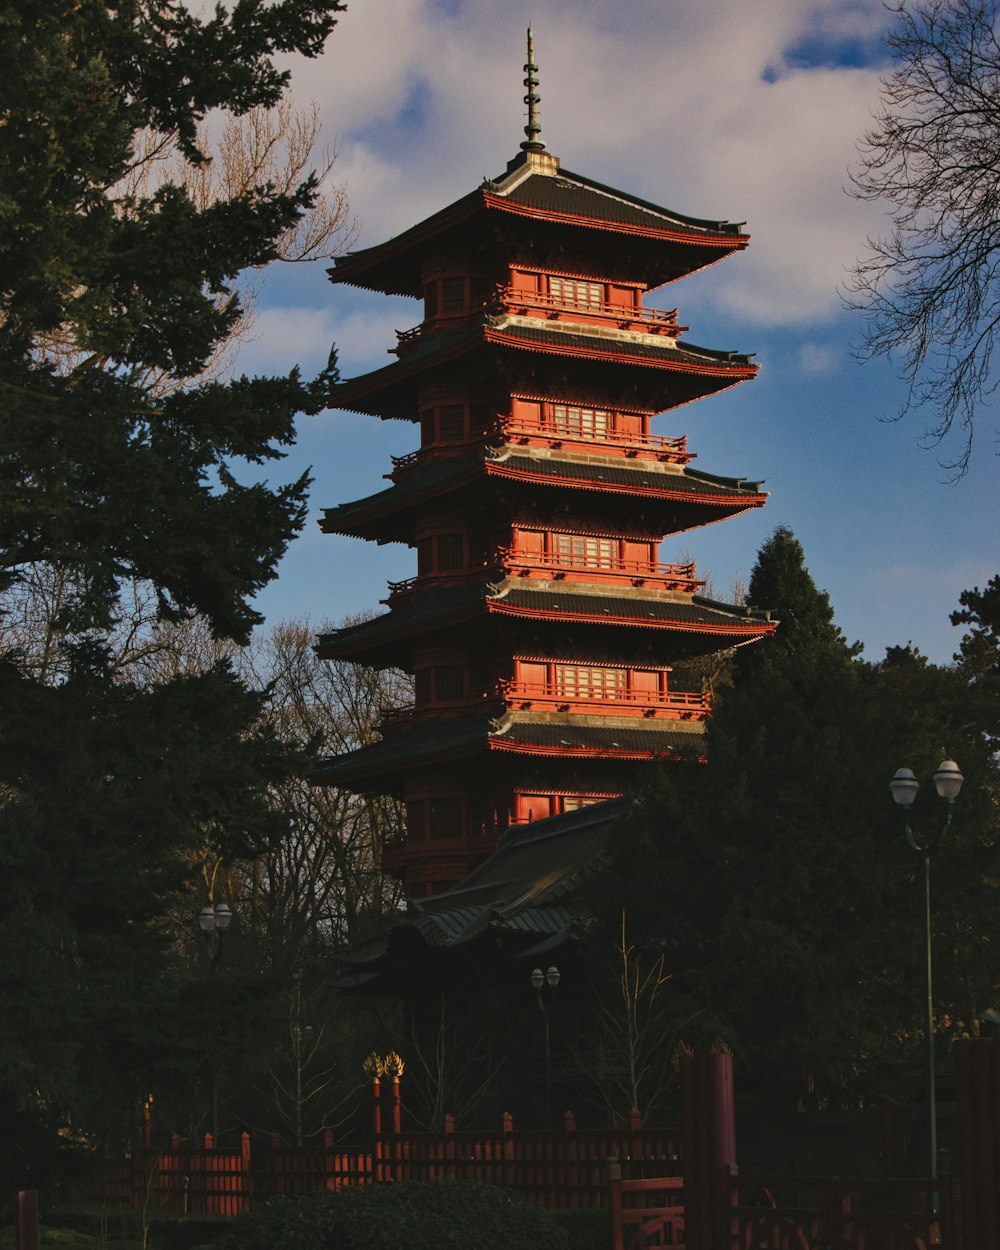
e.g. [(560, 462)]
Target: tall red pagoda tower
[(541, 626)]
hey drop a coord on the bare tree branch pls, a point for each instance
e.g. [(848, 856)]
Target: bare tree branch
[(929, 290)]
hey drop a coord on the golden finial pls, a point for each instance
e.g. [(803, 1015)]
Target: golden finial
[(534, 127), (373, 1066), (392, 1065)]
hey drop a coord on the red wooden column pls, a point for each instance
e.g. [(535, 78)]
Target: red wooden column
[(373, 1068), (27, 1219), (708, 1128)]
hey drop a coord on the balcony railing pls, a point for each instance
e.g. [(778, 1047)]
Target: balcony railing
[(550, 696), (680, 577), (667, 449), (650, 320), (508, 299)]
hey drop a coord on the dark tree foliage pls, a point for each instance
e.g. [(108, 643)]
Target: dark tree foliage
[(929, 288), (979, 653), (776, 878), (99, 470), (119, 468)]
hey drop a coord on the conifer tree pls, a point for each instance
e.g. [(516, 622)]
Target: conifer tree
[(121, 470), (775, 874)]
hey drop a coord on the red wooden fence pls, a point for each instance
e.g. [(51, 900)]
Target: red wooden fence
[(788, 1213), (568, 1168)]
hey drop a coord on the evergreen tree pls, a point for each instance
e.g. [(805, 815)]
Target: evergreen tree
[(120, 470), (776, 877)]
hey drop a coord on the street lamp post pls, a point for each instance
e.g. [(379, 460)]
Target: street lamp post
[(545, 985), (213, 921), (904, 786)]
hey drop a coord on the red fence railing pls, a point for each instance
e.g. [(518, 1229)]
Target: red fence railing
[(791, 1213), (566, 1168)]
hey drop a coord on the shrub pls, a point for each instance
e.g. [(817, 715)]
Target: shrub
[(409, 1215), (585, 1229)]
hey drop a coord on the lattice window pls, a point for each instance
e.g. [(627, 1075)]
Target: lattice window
[(449, 683), (451, 551), (452, 295), (451, 423), (585, 422), (586, 552), (577, 294), (583, 682), (445, 818)]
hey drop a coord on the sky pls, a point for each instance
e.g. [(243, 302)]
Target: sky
[(712, 108)]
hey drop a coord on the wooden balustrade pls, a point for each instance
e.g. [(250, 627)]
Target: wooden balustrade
[(650, 320), (667, 448), (683, 703), (679, 577)]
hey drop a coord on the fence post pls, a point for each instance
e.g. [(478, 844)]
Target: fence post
[(615, 1202), (27, 1219), (247, 1194), (977, 1072), (449, 1145), (507, 1133), (708, 1148)]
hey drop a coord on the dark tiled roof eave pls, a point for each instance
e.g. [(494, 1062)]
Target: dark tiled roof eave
[(437, 476), (630, 476), (563, 197), (576, 195), (650, 349), (433, 741), (693, 611), (446, 346)]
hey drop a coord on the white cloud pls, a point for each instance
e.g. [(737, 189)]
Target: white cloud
[(669, 100), (817, 359), (304, 336)]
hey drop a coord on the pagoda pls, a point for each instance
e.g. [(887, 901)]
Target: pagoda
[(541, 626)]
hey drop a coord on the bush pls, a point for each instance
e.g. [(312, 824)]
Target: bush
[(585, 1229), (410, 1215)]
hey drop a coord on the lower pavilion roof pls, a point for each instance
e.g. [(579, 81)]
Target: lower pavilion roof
[(683, 496), (386, 639), (384, 765), (519, 902), (661, 372)]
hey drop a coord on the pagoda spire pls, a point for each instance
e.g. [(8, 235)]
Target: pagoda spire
[(534, 127)]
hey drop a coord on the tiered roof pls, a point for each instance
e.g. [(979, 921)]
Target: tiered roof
[(537, 192), (676, 497)]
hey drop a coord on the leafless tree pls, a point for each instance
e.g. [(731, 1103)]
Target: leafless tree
[(277, 147), (324, 885), (636, 1024), (929, 289)]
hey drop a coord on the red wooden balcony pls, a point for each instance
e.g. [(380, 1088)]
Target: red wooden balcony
[(666, 449), (508, 299), (550, 697), (649, 320), (679, 577)]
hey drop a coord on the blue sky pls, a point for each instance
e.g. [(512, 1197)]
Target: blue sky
[(716, 109)]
